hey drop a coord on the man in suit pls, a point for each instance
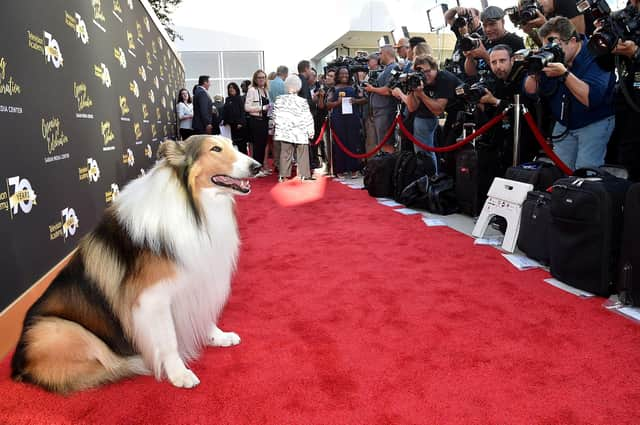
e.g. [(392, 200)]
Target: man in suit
[(202, 107)]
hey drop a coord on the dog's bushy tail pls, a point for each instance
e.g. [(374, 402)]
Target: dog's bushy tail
[(64, 357)]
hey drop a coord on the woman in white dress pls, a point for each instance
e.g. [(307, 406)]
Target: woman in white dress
[(293, 127), (184, 109)]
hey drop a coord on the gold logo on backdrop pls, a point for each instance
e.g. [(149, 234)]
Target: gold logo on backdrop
[(52, 51), (130, 3), (133, 86), (157, 112), (148, 152), (91, 172), (142, 73), (152, 96), (132, 44), (163, 102), (139, 30), (156, 82), (124, 108), (69, 222), (161, 71), (4, 201), (146, 23), (112, 194), (97, 10), (53, 134), (154, 50), (7, 86), (153, 131), (101, 71), (82, 98), (128, 158), (137, 130), (35, 42), (145, 111), (24, 197), (77, 24), (149, 61), (160, 45), (118, 53), (116, 6), (107, 133)]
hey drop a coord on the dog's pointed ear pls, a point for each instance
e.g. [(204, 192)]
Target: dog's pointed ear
[(173, 152)]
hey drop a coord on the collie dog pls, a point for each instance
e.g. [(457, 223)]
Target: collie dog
[(143, 291)]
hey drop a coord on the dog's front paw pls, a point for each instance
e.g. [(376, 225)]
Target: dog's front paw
[(224, 339), (183, 378)]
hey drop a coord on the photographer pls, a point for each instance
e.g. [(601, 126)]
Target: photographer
[(580, 96), (477, 58), (463, 21), (435, 95), (382, 104), (553, 8), (508, 82), (627, 105)]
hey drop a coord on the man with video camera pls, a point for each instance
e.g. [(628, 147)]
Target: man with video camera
[(382, 104), (627, 99), (434, 95), (476, 49), (579, 91), (463, 21)]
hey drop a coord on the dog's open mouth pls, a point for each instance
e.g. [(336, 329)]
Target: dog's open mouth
[(239, 185)]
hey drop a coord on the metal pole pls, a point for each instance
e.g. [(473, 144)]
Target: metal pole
[(516, 130), (330, 147)]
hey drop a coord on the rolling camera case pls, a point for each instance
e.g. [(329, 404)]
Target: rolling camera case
[(540, 174), (409, 168), (378, 174), (586, 227), (629, 281), (535, 224), (475, 171)]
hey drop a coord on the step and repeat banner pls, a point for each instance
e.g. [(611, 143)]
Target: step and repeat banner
[(87, 94)]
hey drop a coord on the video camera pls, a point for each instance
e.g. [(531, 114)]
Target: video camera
[(622, 24), (525, 12), (471, 41), (533, 62), (357, 64), (406, 81)]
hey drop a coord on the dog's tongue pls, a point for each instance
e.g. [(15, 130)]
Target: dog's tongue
[(230, 181)]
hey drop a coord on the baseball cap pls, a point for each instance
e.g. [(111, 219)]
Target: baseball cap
[(492, 13)]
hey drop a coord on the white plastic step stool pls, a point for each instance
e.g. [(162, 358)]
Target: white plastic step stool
[(505, 198)]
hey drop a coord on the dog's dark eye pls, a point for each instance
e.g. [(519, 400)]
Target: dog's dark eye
[(216, 149)]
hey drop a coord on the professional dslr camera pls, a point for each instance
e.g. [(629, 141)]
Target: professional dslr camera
[(406, 81), (525, 12), (471, 94), (372, 78), (533, 62), (622, 24), (461, 21), (471, 41)]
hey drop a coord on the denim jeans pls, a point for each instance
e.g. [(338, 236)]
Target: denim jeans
[(586, 146), (424, 129)]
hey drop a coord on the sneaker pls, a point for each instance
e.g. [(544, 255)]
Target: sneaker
[(281, 179)]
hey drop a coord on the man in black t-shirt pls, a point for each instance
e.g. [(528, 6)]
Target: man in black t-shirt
[(473, 26), (477, 60), (430, 100)]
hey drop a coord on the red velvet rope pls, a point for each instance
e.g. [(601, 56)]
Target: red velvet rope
[(493, 121), (319, 139), (545, 146), (372, 152)]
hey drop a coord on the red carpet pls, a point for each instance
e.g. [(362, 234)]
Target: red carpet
[(350, 313)]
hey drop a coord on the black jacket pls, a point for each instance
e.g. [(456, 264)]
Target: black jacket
[(202, 105), (234, 111)]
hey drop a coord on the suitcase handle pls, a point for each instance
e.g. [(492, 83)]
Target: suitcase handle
[(591, 172)]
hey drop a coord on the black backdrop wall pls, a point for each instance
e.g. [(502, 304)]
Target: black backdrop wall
[(87, 92)]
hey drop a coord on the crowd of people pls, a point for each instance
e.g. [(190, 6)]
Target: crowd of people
[(584, 100)]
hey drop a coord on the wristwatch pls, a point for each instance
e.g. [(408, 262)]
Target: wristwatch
[(564, 76)]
